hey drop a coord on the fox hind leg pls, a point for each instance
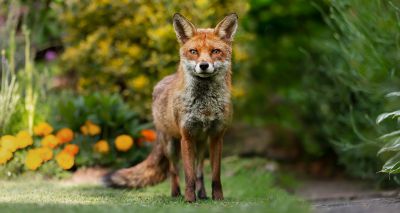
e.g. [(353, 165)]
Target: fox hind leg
[(173, 155)]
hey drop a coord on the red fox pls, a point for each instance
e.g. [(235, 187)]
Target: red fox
[(191, 110)]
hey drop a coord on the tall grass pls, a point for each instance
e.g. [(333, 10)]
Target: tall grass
[(31, 94), (19, 66), (9, 94)]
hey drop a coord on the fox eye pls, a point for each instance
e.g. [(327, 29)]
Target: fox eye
[(193, 51), (215, 51)]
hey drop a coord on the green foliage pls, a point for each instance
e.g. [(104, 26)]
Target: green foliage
[(286, 32), (324, 85), (360, 66), (134, 49), (390, 151), (113, 116)]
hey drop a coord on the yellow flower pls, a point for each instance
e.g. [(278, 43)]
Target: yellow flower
[(116, 63), (123, 142), (140, 82), (5, 155), (104, 47), (71, 149), (50, 141), (45, 153), (160, 33), (24, 139), (65, 160), (134, 51), (90, 129), (9, 142), (201, 3), (65, 135), (33, 160), (43, 129), (102, 147)]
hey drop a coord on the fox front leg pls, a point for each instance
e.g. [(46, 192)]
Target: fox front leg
[(201, 190), (215, 159), (188, 158)]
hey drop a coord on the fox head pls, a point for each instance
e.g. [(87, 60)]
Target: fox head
[(205, 52)]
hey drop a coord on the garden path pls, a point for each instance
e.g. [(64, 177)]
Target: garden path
[(345, 196)]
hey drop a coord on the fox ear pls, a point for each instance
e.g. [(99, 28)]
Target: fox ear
[(226, 29), (183, 28)]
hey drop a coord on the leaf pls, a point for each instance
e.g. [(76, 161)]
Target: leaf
[(391, 146), (393, 94), (390, 134), (392, 166), (384, 116)]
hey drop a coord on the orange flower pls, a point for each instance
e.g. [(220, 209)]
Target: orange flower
[(90, 129), (71, 149), (102, 147), (50, 141), (9, 142), (45, 153), (65, 160), (149, 135), (65, 135), (33, 160), (24, 139), (5, 155), (43, 129), (123, 142)]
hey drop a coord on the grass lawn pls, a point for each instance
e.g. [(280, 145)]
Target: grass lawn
[(248, 187)]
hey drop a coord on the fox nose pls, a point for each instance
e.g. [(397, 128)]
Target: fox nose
[(203, 66)]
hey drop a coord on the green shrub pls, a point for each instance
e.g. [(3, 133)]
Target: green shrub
[(113, 116), (326, 85), (361, 65), (390, 151), (286, 32)]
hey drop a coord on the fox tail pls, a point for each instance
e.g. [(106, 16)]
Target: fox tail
[(152, 170)]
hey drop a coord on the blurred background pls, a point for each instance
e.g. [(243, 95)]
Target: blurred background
[(310, 79)]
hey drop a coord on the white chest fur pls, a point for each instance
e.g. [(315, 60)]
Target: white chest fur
[(205, 102)]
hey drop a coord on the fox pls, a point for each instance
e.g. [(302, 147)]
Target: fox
[(191, 112)]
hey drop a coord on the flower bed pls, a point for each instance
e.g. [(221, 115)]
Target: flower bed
[(65, 148)]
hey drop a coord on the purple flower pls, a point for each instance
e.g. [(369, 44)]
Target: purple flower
[(50, 55)]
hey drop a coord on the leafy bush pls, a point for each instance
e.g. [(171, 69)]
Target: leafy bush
[(326, 85), (390, 151), (286, 32), (131, 51), (113, 117), (104, 132), (361, 64)]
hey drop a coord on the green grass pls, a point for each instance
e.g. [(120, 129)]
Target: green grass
[(248, 187)]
